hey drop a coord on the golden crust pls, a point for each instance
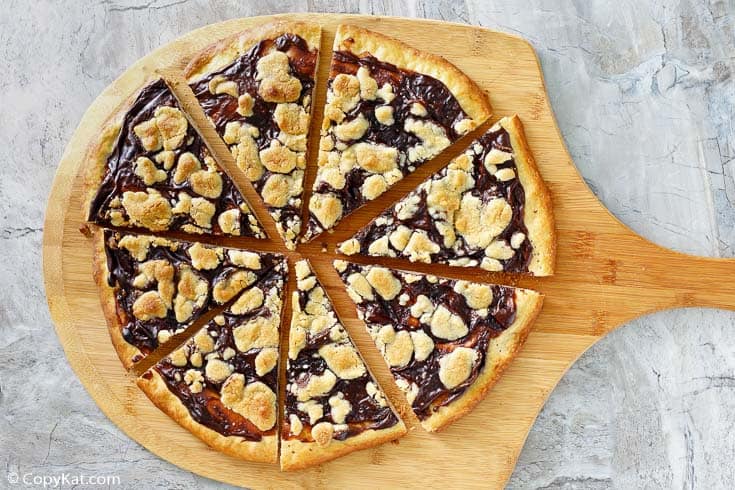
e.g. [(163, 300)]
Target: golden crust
[(538, 213), (100, 149), (501, 352), (264, 451), (115, 322), (470, 96), (297, 455), (224, 52), (97, 162)]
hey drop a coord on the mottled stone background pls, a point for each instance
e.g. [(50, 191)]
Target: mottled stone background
[(644, 95)]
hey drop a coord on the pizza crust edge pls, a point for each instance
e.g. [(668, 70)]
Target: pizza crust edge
[(125, 351), (471, 97), (100, 149), (221, 53), (538, 208), (296, 455), (263, 451), (502, 350)]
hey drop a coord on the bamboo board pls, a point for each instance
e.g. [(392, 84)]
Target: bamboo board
[(606, 275)]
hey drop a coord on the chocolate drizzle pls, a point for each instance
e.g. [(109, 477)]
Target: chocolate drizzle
[(206, 406), (123, 268), (409, 87), (487, 187), (366, 413), (222, 108), (482, 328), (120, 177)]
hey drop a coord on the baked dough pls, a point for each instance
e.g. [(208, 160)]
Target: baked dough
[(390, 108), (488, 208), (445, 341)]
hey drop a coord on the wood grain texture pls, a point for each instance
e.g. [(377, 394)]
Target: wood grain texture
[(606, 276)]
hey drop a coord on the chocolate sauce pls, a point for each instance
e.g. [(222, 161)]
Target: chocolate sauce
[(486, 187), (120, 175), (409, 87), (222, 108), (123, 269), (432, 394), (206, 406), (366, 413)]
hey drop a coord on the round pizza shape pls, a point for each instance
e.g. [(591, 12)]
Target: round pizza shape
[(233, 333)]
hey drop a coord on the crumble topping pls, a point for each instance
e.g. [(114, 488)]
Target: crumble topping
[(434, 333), (160, 175), (260, 105), (470, 214), (330, 393)]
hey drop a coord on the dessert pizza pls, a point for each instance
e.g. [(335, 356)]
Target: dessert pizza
[(153, 288), (446, 341), (333, 405), (222, 384), (488, 208), (389, 109), (256, 88), (153, 171)]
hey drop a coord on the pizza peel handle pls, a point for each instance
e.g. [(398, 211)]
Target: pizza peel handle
[(697, 281), (607, 275)]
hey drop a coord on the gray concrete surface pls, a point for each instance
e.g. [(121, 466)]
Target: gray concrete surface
[(645, 98)]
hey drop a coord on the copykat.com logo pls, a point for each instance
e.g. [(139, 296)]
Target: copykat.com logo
[(61, 480)]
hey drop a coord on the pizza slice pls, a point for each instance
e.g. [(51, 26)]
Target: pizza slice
[(446, 341), (257, 88), (333, 405), (389, 109), (222, 384), (488, 208), (153, 288), (153, 171)]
